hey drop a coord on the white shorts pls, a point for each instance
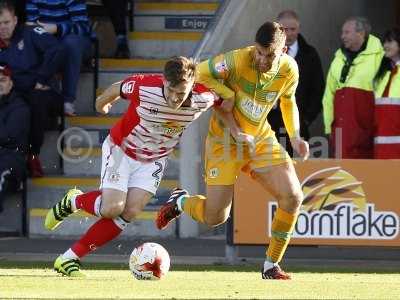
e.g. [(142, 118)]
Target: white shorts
[(120, 172)]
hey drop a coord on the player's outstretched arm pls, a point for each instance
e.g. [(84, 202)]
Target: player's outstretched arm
[(108, 98)]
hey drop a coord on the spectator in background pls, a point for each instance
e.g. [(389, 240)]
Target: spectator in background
[(20, 10), (117, 12), (14, 131), (68, 21), (348, 100), (34, 56), (387, 99), (311, 80)]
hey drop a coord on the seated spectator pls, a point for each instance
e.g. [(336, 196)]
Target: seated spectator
[(14, 131), (387, 99), (68, 21), (117, 12), (35, 57)]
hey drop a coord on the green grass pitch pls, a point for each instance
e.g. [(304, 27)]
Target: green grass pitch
[(107, 281)]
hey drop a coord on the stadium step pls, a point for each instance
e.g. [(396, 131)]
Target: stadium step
[(43, 193), (46, 191), (172, 16), (86, 104), (77, 224), (162, 44), (133, 65), (111, 71), (172, 22), (169, 28), (11, 217), (87, 131), (176, 8), (50, 154), (92, 122)]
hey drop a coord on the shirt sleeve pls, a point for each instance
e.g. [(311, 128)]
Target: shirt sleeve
[(289, 109), (130, 89), (212, 71), (32, 11)]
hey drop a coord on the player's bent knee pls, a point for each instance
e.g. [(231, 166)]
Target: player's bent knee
[(296, 199), (291, 202), (112, 210)]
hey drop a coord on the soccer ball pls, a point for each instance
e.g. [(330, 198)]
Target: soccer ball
[(149, 261)]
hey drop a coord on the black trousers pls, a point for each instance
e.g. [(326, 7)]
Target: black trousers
[(12, 172), (20, 10), (276, 121), (46, 107), (117, 12)]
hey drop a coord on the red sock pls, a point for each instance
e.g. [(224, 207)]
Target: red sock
[(87, 202), (101, 232)]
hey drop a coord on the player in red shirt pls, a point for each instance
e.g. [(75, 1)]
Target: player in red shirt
[(134, 154)]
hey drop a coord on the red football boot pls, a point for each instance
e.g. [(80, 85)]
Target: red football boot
[(170, 211), (275, 273)]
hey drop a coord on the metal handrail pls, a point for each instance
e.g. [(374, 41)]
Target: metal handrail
[(199, 49)]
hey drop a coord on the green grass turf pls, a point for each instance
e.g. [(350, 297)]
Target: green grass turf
[(113, 281)]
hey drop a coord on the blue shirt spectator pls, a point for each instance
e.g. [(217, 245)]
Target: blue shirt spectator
[(68, 21), (69, 16)]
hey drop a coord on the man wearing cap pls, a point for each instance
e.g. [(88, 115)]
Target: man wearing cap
[(14, 132)]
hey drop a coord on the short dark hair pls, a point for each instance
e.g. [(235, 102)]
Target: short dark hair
[(179, 69), (270, 33), (7, 5)]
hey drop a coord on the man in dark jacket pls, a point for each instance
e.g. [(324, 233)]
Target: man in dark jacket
[(35, 56), (14, 132), (311, 81)]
